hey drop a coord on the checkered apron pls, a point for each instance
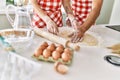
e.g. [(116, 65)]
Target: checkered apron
[(81, 9), (53, 10)]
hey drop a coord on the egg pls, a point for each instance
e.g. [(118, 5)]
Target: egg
[(42, 47), (46, 53), (67, 50), (51, 47), (52, 44), (59, 49), (45, 44), (60, 68), (56, 55), (60, 45), (65, 57), (38, 52)]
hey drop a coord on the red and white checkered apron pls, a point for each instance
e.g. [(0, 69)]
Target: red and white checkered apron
[(81, 9), (53, 10)]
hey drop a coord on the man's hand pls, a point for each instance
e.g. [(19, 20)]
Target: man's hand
[(77, 36)]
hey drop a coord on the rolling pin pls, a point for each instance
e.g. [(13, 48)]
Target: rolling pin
[(55, 38)]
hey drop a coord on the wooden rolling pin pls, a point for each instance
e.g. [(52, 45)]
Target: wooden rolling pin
[(55, 38)]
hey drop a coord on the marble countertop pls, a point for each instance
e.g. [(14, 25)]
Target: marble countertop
[(87, 64)]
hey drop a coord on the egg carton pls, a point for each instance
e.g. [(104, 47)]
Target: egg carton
[(47, 52), (50, 59), (16, 67)]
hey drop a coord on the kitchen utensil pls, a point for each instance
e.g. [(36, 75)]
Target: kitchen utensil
[(56, 39), (22, 17), (17, 35), (18, 38)]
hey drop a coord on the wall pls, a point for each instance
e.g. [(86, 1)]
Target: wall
[(102, 19), (4, 22), (115, 17), (105, 12)]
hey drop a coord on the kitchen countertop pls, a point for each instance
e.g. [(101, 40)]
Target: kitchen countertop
[(87, 64)]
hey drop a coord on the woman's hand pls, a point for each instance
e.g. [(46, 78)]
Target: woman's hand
[(52, 27)]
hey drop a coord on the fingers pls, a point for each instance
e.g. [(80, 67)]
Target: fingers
[(70, 35), (75, 38), (53, 30)]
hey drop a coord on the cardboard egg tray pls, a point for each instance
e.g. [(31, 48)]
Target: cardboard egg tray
[(52, 60)]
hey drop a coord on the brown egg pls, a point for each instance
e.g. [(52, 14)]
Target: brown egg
[(59, 49), (60, 68), (42, 47), (56, 55), (60, 45), (52, 44), (66, 57), (51, 47), (45, 44), (46, 53), (67, 50), (38, 52)]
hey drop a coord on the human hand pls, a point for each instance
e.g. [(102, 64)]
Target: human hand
[(77, 36), (52, 27), (75, 24)]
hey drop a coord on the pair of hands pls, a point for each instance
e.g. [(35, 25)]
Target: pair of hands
[(78, 34), (75, 37)]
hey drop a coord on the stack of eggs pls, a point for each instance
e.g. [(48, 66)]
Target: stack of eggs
[(56, 52)]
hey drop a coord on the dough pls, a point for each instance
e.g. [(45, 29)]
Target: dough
[(115, 48), (88, 39)]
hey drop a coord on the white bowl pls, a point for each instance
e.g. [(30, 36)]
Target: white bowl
[(17, 35)]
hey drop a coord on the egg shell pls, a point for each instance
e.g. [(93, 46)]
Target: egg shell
[(56, 55), (67, 50), (52, 44), (38, 52), (51, 47), (59, 49), (60, 68), (46, 53), (45, 44), (66, 57), (60, 45), (42, 47)]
